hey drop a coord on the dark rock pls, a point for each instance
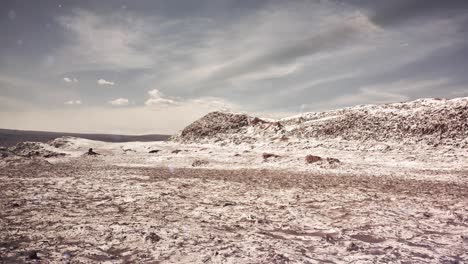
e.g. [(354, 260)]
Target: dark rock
[(269, 155), (237, 155), (312, 159), (176, 151), (198, 163), (92, 153), (427, 215), (333, 160), (154, 151), (352, 247), (153, 238), (32, 254)]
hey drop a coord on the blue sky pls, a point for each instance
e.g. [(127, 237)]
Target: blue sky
[(154, 66)]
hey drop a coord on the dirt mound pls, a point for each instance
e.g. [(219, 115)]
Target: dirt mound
[(33, 149), (425, 121), (214, 124), (428, 121)]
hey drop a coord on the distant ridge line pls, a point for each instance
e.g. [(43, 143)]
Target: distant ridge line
[(10, 137)]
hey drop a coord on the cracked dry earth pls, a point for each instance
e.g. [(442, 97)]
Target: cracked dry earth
[(84, 211)]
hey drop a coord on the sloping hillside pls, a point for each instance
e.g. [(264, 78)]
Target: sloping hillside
[(425, 121)]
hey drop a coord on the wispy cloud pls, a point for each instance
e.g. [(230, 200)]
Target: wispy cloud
[(69, 80), (73, 102), (103, 41), (119, 102), (158, 99), (104, 82)]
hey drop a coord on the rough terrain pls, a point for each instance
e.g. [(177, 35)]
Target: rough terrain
[(231, 188), (86, 212)]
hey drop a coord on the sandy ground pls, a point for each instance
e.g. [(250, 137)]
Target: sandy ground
[(113, 209)]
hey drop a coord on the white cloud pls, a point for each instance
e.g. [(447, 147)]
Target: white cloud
[(69, 80), (119, 102), (73, 102), (104, 82), (157, 99)]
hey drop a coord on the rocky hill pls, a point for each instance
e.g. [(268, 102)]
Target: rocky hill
[(431, 122)]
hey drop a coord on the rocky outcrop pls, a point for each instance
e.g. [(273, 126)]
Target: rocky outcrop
[(33, 149), (214, 124), (430, 122)]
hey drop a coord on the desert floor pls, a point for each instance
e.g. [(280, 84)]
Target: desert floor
[(87, 211)]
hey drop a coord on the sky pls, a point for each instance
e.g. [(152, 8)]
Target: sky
[(154, 66)]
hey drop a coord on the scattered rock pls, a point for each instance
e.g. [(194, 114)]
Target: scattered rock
[(153, 238), (352, 247), (427, 215), (312, 159), (333, 161), (91, 152), (154, 151), (198, 163), (269, 155), (32, 254)]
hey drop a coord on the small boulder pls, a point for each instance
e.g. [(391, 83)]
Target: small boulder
[(312, 159), (153, 238), (269, 155), (333, 161), (154, 151), (352, 247), (32, 254), (198, 163), (91, 152)]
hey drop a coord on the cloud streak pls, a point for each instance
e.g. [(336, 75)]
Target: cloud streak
[(119, 102), (104, 82)]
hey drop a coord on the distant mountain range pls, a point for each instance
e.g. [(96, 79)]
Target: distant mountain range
[(10, 137)]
